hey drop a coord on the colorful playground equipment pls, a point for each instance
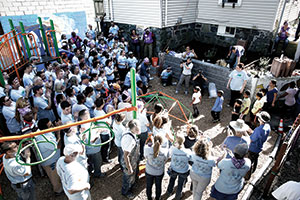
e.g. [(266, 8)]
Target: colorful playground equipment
[(17, 48)]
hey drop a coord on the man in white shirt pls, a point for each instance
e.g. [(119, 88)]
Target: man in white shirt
[(130, 159), (237, 82), (28, 76), (186, 75), (19, 175), (73, 175)]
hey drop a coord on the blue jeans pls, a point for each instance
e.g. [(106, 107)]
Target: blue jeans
[(143, 138), (120, 155), (25, 191), (285, 43), (129, 181), (149, 181), (95, 162), (181, 181), (221, 196)]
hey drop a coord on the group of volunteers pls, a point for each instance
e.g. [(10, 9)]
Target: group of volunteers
[(95, 82)]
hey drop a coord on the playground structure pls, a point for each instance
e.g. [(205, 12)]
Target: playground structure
[(17, 48)]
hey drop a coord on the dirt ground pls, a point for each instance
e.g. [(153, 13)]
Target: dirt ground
[(110, 186)]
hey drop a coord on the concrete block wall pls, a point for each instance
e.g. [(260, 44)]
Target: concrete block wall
[(214, 73), (46, 7)]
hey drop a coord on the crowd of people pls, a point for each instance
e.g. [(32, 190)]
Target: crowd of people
[(96, 81)]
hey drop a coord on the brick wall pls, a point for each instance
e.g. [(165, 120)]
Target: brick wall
[(46, 7)]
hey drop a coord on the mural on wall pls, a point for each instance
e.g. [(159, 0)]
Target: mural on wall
[(64, 23)]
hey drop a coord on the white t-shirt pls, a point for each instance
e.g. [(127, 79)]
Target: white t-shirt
[(143, 121), (128, 142), (288, 191), (187, 70), (73, 177), (197, 96), (238, 79), (118, 129), (66, 118), (290, 98), (76, 108), (27, 80), (14, 171), (16, 94)]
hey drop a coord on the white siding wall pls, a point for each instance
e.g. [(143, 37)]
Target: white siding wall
[(290, 12), (257, 14), (185, 9), (137, 12)]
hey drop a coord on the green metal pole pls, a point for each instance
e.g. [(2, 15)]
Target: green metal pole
[(43, 35), (12, 27), (133, 90), (25, 40), (2, 79), (54, 38)]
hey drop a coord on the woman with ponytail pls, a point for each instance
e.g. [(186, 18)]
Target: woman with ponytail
[(180, 157), (156, 157)]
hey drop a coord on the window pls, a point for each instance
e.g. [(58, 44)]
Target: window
[(230, 3), (226, 31)]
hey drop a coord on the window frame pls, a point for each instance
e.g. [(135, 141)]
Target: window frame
[(228, 4), (222, 31)]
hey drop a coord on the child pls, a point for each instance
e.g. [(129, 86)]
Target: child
[(257, 106), (156, 157), (119, 129), (246, 104), (179, 166), (218, 106), (196, 99), (191, 137), (66, 115), (235, 114)]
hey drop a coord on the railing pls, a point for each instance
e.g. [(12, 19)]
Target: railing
[(283, 146), (13, 53)]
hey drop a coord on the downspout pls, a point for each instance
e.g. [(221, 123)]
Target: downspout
[(279, 22), (166, 13), (160, 14), (111, 10)]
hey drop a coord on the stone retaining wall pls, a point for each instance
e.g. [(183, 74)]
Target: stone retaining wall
[(220, 75)]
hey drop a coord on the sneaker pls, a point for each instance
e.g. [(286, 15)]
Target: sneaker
[(164, 84), (228, 105), (174, 83), (151, 78), (186, 92), (176, 92)]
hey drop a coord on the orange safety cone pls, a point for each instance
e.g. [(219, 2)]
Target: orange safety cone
[(280, 128)]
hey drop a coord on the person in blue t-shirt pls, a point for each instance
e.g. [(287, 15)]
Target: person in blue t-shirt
[(259, 137), (166, 76), (231, 179), (218, 106), (180, 157)]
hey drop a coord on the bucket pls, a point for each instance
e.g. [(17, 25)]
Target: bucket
[(154, 61)]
